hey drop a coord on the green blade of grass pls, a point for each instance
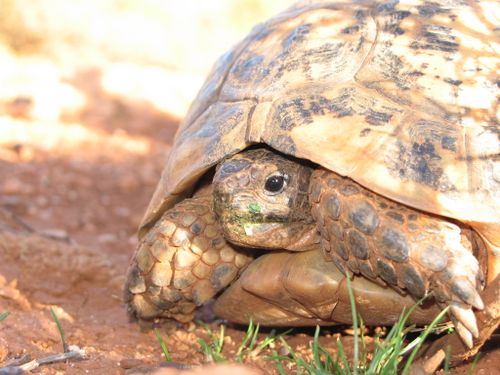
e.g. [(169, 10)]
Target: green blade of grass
[(4, 315), (355, 360), (60, 329), (474, 364), (422, 338), (163, 346)]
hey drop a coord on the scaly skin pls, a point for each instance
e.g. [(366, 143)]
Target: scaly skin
[(362, 232), (181, 263)]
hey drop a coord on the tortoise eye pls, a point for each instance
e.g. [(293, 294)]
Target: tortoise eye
[(276, 183)]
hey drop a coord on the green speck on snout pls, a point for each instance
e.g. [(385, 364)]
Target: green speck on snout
[(254, 208)]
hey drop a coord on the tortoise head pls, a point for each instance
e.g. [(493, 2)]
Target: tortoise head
[(261, 200)]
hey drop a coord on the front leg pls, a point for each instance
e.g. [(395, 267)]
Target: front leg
[(181, 263), (396, 245)]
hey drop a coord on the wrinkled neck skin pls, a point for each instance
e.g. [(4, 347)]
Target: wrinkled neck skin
[(251, 215)]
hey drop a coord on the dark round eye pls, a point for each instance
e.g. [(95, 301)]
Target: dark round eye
[(275, 183)]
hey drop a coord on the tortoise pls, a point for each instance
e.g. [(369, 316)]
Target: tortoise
[(338, 138)]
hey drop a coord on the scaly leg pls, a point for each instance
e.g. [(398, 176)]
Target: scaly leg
[(181, 263), (393, 244)]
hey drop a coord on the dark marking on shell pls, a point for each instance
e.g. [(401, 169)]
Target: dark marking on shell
[(436, 37), (421, 163), (230, 167), (377, 118), (394, 245), (300, 110), (296, 36), (284, 143), (358, 245), (412, 217), (429, 9), (387, 272), (413, 281), (433, 258), (454, 82), (364, 217), (350, 29), (248, 69), (396, 216), (449, 143), (364, 132)]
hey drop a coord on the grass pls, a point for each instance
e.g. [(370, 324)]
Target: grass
[(4, 315), (60, 329), (163, 346), (393, 354)]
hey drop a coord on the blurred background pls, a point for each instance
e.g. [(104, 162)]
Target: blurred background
[(91, 93)]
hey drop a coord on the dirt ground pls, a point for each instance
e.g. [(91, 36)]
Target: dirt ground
[(75, 180)]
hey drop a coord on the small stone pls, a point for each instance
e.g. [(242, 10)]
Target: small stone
[(358, 245), (61, 234), (394, 245), (129, 363), (222, 275), (107, 238), (185, 259), (161, 274)]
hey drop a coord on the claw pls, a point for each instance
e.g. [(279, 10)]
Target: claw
[(466, 291), (466, 317), (464, 334)]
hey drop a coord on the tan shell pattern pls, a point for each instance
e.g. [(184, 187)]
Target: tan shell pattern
[(401, 96)]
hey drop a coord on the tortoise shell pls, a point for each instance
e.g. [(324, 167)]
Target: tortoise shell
[(400, 96)]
